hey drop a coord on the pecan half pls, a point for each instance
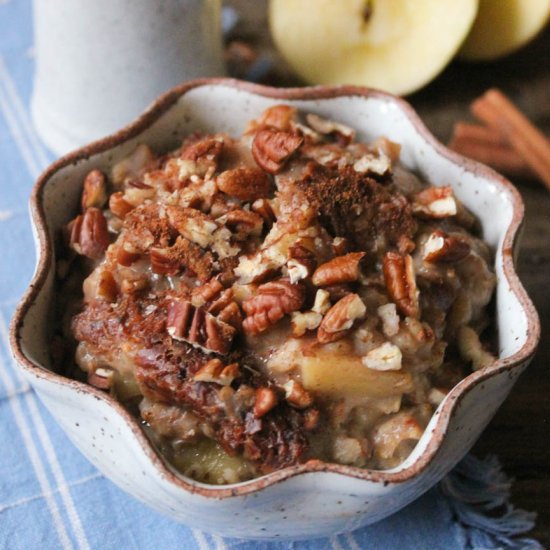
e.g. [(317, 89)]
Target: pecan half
[(435, 202), (441, 247), (89, 234), (342, 269), (94, 192), (246, 184), (271, 149), (198, 327), (272, 302), (339, 319), (401, 283)]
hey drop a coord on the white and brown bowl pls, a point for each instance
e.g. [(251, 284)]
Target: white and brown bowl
[(316, 498)]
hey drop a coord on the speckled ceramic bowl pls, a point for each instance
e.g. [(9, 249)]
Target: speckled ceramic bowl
[(316, 498)]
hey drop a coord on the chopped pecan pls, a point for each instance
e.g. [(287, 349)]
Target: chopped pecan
[(206, 292), (126, 255), (89, 234), (184, 253), (266, 399), (271, 149), (221, 302), (231, 314), (102, 378), (198, 327), (107, 288), (344, 133), (301, 263), (311, 419), (340, 318), (321, 303), (385, 357), (441, 247), (272, 302), (94, 192), (302, 322), (296, 395), (401, 283), (279, 117), (163, 262), (133, 166), (192, 224), (215, 371), (209, 148), (246, 184), (263, 208), (119, 206), (373, 164), (435, 202), (340, 246), (342, 269), (242, 223)]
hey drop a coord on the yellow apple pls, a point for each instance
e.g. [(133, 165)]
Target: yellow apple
[(394, 45), (503, 26)]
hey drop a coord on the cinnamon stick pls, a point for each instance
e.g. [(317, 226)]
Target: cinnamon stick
[(496, 110), (466, 131), (502, 158)]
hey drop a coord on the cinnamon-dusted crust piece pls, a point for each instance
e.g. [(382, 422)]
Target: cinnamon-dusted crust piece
[(286, 295)]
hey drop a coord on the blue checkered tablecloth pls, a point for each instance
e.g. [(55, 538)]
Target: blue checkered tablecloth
[(50, 495)]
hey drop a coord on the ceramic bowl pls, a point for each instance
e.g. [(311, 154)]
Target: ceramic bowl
[(313, 499)]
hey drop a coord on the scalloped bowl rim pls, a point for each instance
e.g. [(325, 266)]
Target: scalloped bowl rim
[(153, 112)]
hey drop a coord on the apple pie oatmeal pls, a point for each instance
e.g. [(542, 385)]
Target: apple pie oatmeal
[(261, 301)]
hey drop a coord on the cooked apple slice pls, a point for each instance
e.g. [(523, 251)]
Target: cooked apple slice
[(396, 45), (503, 26), (339, 375)]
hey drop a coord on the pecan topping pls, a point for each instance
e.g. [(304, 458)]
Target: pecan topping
[(119, 206), (279, 117), (246, 184), (263, 208), (206, 292), (343, 133), (243, 223), (218, 373), (184, 253), (266, 399), (94, 193), (126, 255), (296, 395), (198, 327), (445, 248), (342, 269), (102, 378), (340, 318), (435, 202), (271, 149), (272, 302), (209, 148), (401, 283), (301, 263), (89, 234)]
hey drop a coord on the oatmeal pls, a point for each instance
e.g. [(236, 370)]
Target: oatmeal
[(260, 301)]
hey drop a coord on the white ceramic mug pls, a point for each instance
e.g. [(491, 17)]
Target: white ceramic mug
[(99, 63)]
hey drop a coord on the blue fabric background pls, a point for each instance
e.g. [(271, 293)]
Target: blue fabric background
[(51, 496)]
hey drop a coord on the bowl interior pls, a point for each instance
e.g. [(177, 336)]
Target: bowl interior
[(215, 108)]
